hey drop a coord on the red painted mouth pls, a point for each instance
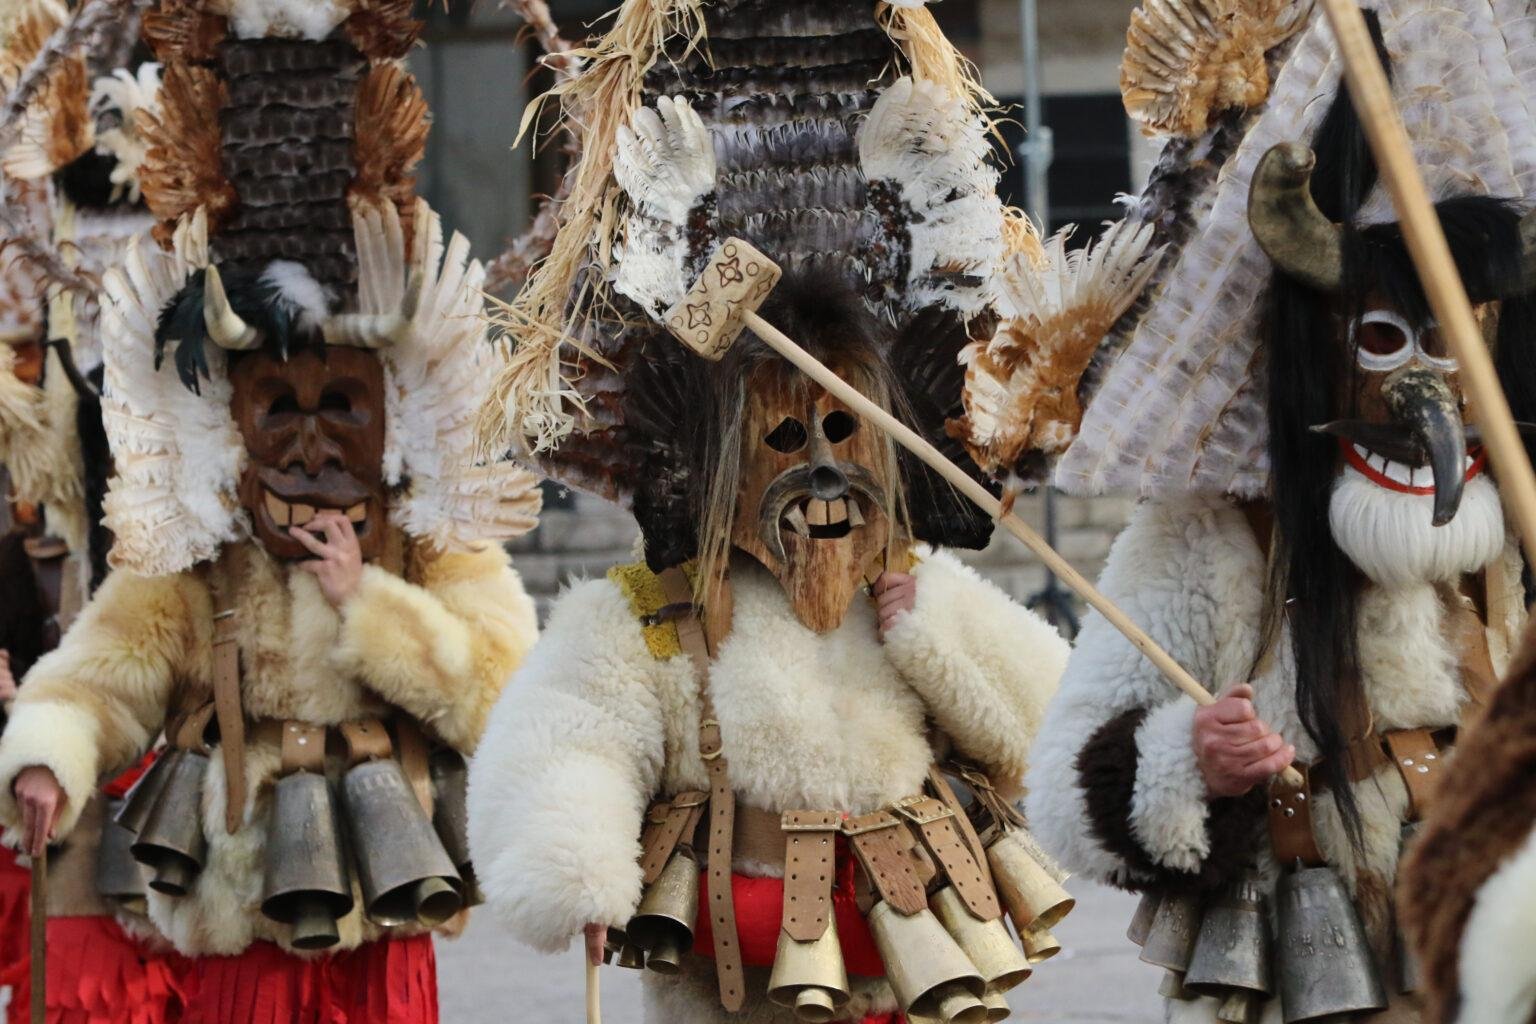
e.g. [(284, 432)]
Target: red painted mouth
[(1376, 476)]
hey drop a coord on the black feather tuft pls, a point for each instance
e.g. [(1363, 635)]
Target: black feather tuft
[(257, 301)]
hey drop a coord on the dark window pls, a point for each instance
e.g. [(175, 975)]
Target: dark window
[(1091, 163)]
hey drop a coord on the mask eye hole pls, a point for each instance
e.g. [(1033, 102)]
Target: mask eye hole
[(283, 405), (1383, 340), (789, 436), (839, 426), (335, 401)]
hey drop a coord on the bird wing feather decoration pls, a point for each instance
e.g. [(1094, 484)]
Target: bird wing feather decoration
[(1175, 398), (1021, 387), (55, 127)]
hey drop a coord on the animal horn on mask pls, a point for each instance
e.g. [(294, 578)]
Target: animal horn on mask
[(224, 325), (1287, 223)]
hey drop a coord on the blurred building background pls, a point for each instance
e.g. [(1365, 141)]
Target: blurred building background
[(479, 70)]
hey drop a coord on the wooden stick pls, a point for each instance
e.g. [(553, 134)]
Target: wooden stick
[(594, 994), (39, 938), (1372, 96), (967, 486)]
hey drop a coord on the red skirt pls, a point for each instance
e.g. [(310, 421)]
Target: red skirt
[(15, 897), (98, 974), (392, 981)]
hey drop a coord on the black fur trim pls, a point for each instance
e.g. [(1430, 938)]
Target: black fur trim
[(1106, 769)]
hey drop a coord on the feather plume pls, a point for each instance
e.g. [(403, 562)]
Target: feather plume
[(1187, 61), (382, 29), (184, 31), (27, 31), (1021, 387), (182, 171), (121, 95), (389, 139), (33, 441)]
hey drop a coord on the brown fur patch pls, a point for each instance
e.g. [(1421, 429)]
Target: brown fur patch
[(390, 139), (182, 30), (182, 166), (382, 29), (1485, 810)]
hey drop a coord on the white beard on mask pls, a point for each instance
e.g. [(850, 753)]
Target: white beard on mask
[(1389, 536)]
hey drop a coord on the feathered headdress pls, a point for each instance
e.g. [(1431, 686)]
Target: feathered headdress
[(282, 155), (846, 143)]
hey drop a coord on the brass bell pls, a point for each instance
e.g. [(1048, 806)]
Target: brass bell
[(1141, 921), (171, 843), (450, 816), (1039, 944), (1231, 959), (997, 1006), (133, 811), (928, 972), (1172, 987), (405, 873), (631, 957), (1324, 962), (1029, 889), (1170, 941), (986, 944), (119, 878), (306, 883), (809, 977), (663, 923)]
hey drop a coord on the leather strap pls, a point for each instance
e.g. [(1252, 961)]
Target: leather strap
[(1469, 636), (222, 584), (414, 759), (1290, 823), (190, 732), (722, 800), (303, 747), (936, 827), (1418, 760), (666, 823), (810, 850), (366, 740), (884, 847)]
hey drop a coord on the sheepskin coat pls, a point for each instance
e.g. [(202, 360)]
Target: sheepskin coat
[(594, 725), (1115, 791), (437, 644)]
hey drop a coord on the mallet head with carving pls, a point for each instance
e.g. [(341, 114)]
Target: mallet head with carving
[(712, 315)]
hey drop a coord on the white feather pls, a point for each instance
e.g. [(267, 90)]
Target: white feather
[(294, 19)]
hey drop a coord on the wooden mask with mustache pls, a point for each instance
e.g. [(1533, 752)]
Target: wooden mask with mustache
[(313, 427)]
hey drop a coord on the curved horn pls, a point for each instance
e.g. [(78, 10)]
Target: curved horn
[(224, 325), (1287, 223)]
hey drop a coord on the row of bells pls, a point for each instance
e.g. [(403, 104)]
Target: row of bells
[(1314, 955), (944, 965), (411, 869)]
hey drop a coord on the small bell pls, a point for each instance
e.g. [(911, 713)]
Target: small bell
[(663, 923), (997, 1007), (306, 883), (1324, 963), (1039, 944), (986, 944), (631, 957), (809, 976), (119, 878), (171, 843), (1029, 890), (133, 811), (404, 872), (930, 975)]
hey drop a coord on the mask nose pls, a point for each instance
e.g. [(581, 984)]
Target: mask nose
[(1421, 400), (828, 482)]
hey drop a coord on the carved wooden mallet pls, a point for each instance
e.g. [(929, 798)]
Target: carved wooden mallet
[(724, 302)]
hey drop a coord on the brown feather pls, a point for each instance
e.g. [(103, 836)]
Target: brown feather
[(390, 139), (182, 166), (27, 34), (65, 100), (382, 29), (182, 30)]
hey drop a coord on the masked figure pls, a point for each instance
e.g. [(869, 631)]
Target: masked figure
[(692, 726), (308, 599), (1320, 537)]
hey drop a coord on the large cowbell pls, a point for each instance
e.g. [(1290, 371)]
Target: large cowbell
[(663, 923), (133, 813), (119, 878), (406, 875), (306, 883), (1324, 962), (450, 816), (810, 976), (930, 975), (171, 843), (1231, 960)]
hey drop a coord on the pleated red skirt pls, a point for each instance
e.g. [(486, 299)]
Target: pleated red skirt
[(98, 974), (15, 893), (392, 981)]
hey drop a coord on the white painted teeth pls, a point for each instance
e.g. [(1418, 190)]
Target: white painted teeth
[(302, 514), (855, 517), (357, 513), (818, 513), (796, 519)]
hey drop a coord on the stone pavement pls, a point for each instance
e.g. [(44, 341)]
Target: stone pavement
[(487, 978)]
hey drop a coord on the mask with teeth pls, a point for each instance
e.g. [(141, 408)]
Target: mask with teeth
[(313, 427), (813, 501)]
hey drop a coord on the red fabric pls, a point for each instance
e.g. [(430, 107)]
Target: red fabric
[(119, 787), (15, 896), (392, 981), (760, 913), (98, 974)]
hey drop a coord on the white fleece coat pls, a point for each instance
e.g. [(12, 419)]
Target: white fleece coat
[(439, 647), (593, 726), (1190, 572)]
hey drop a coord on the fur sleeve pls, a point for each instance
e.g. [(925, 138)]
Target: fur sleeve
[(573, 751), (94, 704), (1114, 791), (984, 665), (441, 647)]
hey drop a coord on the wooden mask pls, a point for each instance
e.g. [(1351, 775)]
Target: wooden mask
[(313, 427), (813, 501)]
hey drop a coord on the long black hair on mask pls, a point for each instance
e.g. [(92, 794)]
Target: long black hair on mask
[(257, 300), (1313, 585), (96, 454), (23, 614)]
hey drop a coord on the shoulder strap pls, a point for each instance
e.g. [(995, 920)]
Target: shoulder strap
[(226, 687)]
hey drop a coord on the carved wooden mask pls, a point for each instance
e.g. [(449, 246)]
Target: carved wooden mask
[(813, 499), (313, 427)]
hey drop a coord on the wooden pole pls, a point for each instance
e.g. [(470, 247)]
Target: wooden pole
[(962, 482), (39, 938), (594, 994), (1372, 96)]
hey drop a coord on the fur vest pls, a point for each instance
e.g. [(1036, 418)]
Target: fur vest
[(1115, 791), (436, 644), (595, 723)]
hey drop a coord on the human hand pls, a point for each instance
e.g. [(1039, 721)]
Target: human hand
[(7, 681), (895, 594), (1234, 747), (40, 799), (338, 561), (597, 941)]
